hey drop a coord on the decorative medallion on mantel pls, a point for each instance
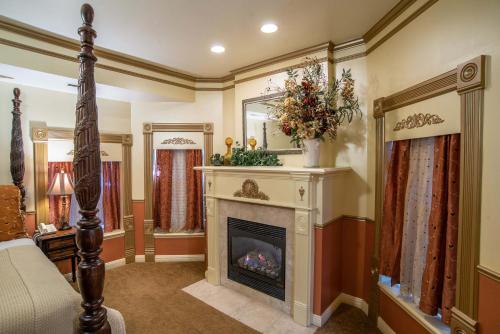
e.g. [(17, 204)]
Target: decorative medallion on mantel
[(178, 141), (250, 189), (417, 121)]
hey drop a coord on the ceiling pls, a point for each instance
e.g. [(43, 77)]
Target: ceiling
[(179, 33)]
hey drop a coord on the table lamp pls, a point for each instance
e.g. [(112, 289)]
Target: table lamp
[(62, 186)]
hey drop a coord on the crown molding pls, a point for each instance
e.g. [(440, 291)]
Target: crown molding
[(400, 26), (23, 29), (387, 19), (327, 46), (27, 30)]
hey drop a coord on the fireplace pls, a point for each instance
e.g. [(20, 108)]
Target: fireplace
[(256, 256)]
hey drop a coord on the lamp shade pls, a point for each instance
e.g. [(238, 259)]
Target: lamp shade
[(61, 185)]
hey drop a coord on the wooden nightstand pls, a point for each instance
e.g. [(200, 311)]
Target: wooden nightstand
[(59, 246)]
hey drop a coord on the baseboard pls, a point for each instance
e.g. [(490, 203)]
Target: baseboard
[(354, 301), (107, 265), (320, 320), (140, 258), (180, 258), (343, 298), (115, 263), (384, 327)]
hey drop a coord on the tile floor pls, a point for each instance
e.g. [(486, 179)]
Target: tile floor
[(254, 314)]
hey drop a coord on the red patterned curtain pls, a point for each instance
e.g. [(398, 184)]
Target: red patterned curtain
[(394, 204), (111, 195), (194, 203), (162, 189), (55, 202), (440, 273)]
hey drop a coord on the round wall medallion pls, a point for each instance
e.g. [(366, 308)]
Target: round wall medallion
[(468, 72)]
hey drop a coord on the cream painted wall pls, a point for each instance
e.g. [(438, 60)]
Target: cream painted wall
[(228, 113), (447, 34), (57, 110), (208, 107), (351, 147)]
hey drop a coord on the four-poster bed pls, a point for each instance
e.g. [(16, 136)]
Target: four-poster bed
[(17, 150), (36, 298), (87, 162)]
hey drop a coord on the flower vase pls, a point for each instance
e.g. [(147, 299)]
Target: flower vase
[(310, 151)]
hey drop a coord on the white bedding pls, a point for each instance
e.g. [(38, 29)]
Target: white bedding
[(16, 242), (35, 297)]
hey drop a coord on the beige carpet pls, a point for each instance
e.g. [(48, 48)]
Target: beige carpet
[(151, 300)]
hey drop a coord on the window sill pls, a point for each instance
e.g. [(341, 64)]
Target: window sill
[(432, 324), (114, 234), (167, 235)]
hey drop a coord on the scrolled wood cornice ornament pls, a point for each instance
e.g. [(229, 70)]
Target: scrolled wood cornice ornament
[(417, 121), (250, 189), (87, 170), (17, 149), (178, 141)]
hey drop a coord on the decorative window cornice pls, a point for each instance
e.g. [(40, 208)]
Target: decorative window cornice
[(103, 153), (417, 121), (178, 141)]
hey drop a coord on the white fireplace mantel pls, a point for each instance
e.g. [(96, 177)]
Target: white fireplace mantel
[(314, 193)]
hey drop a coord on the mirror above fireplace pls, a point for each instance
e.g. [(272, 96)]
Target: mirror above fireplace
[(258, 124)]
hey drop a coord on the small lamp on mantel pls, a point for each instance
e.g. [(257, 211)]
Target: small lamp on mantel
[(62, 186)]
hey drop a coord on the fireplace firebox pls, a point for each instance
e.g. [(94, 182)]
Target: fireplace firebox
[(256, 256)]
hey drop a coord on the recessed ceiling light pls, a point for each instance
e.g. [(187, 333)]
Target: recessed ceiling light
[(217, 49), (269, 28)]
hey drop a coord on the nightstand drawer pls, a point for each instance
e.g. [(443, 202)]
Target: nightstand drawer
[(60, 243), (60, 253)]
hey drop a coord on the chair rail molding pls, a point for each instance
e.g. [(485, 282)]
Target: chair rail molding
[(468, 80)]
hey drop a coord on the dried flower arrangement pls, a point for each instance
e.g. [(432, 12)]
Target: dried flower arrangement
[(310, 108)]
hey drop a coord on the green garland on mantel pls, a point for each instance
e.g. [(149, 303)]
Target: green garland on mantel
[(242, 157)]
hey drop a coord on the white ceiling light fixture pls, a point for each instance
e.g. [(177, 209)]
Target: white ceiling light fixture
[(269, 28), (217, 48)]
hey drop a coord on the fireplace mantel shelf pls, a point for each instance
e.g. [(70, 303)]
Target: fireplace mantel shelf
[(277, 169)]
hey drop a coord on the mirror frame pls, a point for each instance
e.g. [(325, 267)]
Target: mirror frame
[(244, 104)]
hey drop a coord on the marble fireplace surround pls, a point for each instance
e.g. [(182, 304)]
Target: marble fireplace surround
[(275, 216), (302, 197)]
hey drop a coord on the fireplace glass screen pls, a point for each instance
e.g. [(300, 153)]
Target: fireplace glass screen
[(256, 256)]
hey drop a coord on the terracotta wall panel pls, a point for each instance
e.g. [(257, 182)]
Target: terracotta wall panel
[(113, 249), (179, 246), (354, 256), (138, 211), (327, 266), (369, 245), (488, 311), (397, 318)]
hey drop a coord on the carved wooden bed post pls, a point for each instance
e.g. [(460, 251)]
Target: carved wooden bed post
[(87, 171), (16, 149)]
